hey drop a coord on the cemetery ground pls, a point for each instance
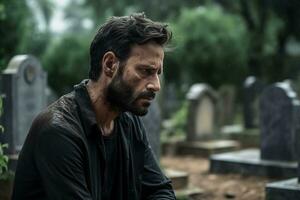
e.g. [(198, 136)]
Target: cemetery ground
[(217, 186)]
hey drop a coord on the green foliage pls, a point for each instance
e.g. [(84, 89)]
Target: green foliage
[(14, 22), (67, 61), (3, 158), (211, 46), (271, 36), (175, 127)]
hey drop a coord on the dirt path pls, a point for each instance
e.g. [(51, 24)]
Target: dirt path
[(218, 187)]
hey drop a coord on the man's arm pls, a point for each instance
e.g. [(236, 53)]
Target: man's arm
[(59, 159), (155, 185)]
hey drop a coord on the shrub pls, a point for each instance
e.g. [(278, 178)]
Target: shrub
[(3, 157)]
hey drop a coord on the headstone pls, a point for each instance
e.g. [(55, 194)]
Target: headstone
[(279, 125), (152, 123), (202, 112), (288, 189), (298, 149), (251, 91), (23, 84), (50, 95), (278, 122), (170, 101), (226, 104)]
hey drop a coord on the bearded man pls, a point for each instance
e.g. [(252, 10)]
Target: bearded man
[(90, 144)]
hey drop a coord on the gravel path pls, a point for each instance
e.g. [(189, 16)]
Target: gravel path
[(218, 187)]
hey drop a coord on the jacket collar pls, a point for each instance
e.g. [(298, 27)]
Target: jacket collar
[(85, 106)]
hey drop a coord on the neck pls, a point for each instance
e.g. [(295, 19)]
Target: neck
[(105, 113)]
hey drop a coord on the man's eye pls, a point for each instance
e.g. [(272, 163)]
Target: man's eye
[(147, 71)]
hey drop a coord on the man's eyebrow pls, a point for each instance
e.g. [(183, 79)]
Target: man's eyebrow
[(148, 66)]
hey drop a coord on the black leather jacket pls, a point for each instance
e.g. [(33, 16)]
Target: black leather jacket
[(63, 156)]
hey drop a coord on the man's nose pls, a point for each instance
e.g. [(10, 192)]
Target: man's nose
[(154, 84)]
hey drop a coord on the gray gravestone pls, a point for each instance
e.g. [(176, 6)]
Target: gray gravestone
[(152, 123), (276, 158), (288, 189), (23, 84), (251, 91), (201, 120), (278, 122), (170, 101), (50, 95), (226, 104), (297, 132)]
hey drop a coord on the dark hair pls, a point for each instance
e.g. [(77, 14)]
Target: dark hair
[(119, 34)]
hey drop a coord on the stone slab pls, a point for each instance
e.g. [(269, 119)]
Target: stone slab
[(282, 190), (248, 162), (180, 179), (190, 193), (248, 138), (169, 148), (12, 162), (206, 148)]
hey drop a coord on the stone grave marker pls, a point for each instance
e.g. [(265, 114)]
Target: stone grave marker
[(277, 122), (202, 112), (226, 104), (298, 141), (50, 95), (202, 124), (277, 156), (23, 85), (251, 91), (288, 189), (152, 123), (170, 101)]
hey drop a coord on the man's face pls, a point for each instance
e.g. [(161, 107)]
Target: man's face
[(136, 82)]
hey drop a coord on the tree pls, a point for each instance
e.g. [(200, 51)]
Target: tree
[(67, 61), (15, 19), (211, 47), (270, 24), (18, 30)]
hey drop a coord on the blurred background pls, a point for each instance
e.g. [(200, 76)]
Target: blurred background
[(215, 41)]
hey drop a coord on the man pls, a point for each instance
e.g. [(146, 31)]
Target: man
[(90, 144)]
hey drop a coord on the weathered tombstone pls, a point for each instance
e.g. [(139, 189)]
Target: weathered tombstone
[(152, 123), (251, 89), (278, 105), (170, 101), (23, 84), (298, 141), (50, 95), (279, 123), (226, 104), (202, 112), (288, 189), (202, 124)]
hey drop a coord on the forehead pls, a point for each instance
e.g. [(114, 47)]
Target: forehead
[(149, 53)]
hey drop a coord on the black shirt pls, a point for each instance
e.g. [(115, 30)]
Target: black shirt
[(111, 158), (63, 157)]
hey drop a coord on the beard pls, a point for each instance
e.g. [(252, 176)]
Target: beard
[(122, 96)]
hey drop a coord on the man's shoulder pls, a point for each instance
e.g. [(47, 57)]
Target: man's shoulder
[(60, 115)]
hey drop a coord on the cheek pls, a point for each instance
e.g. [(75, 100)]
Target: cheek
[(134, 81)]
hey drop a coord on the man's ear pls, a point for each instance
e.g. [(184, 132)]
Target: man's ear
[(110, 63)]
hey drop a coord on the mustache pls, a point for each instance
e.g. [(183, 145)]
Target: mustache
[(147, 95)]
